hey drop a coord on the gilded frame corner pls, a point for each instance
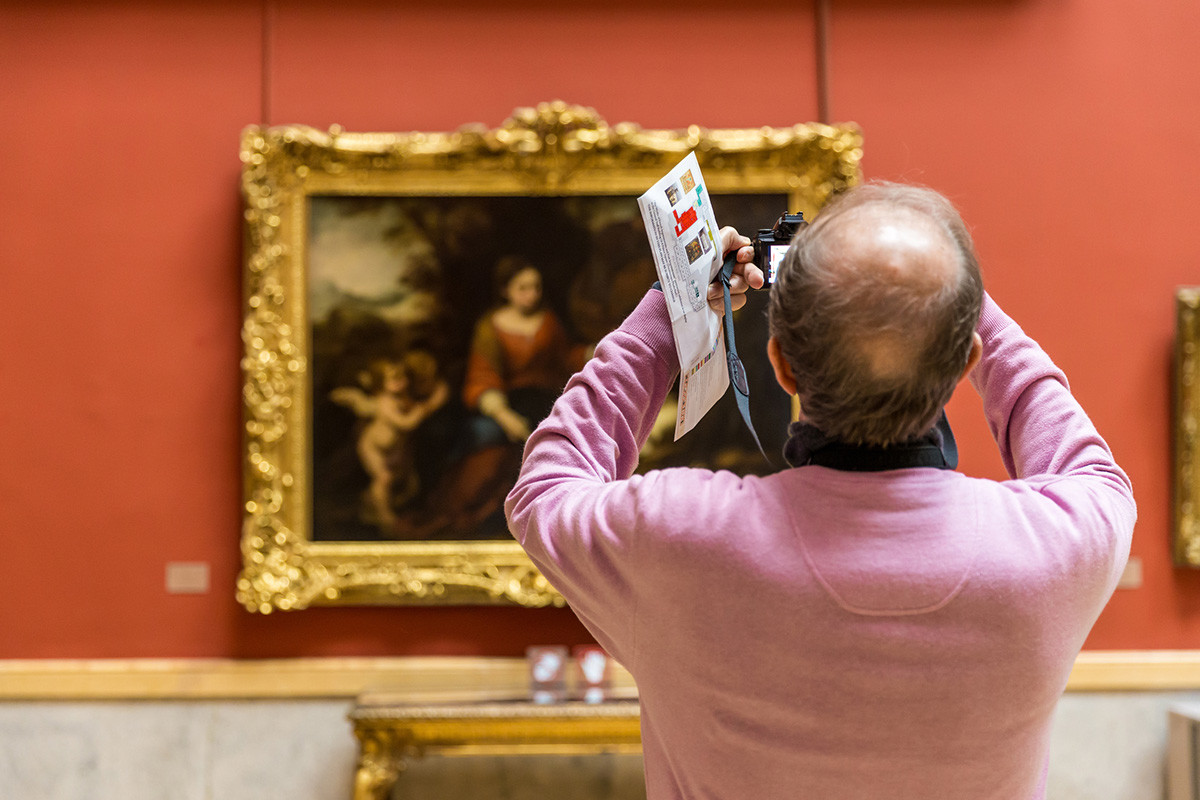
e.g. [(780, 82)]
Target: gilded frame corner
[(1186, 429), (554, 149)]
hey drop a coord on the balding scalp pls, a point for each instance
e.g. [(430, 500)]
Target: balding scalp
[(875, 308)]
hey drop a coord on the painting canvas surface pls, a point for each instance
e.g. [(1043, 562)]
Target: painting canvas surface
[(400, 294)]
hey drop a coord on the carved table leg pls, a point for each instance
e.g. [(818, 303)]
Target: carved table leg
[(379, 767)]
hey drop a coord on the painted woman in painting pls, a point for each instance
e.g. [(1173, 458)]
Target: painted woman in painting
[(520, 357)]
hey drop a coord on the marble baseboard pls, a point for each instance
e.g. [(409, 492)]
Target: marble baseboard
[(1105, 746), (1111, 746), (176, 751)]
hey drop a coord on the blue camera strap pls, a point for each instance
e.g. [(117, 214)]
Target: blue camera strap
[(737, 372)]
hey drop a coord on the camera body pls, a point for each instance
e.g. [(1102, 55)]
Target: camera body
[(771, 244)]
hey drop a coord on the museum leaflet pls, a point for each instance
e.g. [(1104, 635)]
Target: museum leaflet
[(683, 236)]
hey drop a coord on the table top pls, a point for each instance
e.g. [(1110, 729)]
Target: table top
[(493, 703)]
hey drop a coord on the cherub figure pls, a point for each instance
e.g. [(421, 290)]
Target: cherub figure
[(396, 397)]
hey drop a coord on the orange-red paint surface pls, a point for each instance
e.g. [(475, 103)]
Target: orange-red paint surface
[(1068, 132)]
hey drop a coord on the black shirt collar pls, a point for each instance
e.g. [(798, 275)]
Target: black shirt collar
[(808, 445)]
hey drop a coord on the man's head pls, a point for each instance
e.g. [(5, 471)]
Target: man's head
[(873, 313)]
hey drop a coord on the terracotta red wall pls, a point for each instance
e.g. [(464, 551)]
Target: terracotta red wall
[(1068, 133)]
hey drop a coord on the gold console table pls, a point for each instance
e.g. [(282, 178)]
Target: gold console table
[(394, 728)]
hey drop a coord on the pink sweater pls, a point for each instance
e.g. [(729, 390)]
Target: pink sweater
[(825, 634)]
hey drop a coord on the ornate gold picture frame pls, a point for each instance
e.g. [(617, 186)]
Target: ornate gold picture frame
[(369, 264), (1186, 428)]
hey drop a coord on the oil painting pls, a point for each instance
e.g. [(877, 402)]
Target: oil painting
[(424, 391), (414, 302)]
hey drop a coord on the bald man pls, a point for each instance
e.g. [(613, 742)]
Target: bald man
[(868, 623)]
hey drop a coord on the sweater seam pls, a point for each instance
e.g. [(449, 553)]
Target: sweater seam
[(851, 608)]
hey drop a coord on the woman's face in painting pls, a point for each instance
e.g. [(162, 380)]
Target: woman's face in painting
[(524, 290)]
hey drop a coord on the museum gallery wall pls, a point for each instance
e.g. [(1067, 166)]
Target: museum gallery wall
[(123, 228)]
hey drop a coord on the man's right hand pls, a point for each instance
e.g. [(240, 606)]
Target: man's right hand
[(746, 275)]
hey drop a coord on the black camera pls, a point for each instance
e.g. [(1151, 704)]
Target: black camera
[(771, 244)]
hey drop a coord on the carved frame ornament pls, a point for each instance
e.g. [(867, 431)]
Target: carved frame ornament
[(554, 149), (1186, 424)]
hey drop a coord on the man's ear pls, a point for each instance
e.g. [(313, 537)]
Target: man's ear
[(975, 355), (783, 370)]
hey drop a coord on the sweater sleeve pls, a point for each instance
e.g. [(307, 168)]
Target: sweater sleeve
[(1048, 443), (574, 506)]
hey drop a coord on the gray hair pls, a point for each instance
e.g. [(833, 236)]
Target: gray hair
[(876, 355)]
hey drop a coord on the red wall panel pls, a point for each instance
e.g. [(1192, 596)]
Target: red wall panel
[(120, 252), (435, 66), (1068, 133)]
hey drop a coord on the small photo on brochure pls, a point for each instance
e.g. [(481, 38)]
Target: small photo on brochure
[(673, 193), (688, 181), (706, 238), (694, 248)]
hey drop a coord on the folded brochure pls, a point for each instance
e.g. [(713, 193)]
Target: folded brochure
[(683, 237)]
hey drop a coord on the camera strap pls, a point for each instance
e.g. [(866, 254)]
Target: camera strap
[(737, 372)]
